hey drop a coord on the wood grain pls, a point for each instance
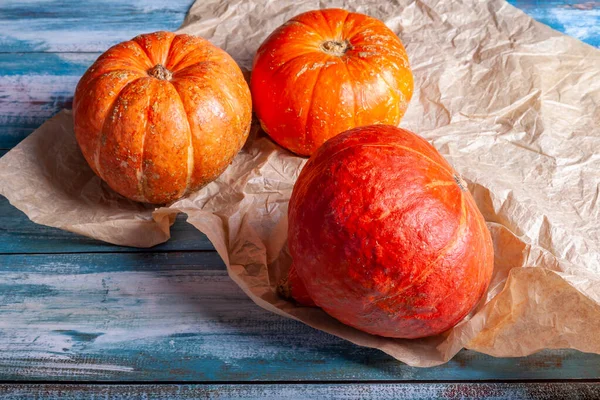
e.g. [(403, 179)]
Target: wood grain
[(550, 391), (577, 18), (93, 26), (83, 25), (34, 87), (39, 79), (19, 235), (121, 314), (179, 317)]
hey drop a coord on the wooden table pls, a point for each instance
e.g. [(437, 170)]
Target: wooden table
[(79, 317)]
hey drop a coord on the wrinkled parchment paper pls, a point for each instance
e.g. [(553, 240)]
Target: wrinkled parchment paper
[(513, 105)]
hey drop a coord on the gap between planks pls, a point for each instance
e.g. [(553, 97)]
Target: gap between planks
[(340, 382), (320, 391)]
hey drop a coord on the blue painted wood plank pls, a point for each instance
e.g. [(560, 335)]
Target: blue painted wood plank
[(179, 317), (176, 317), (45, 64), (19, 235), (61, 26), (34, 87), (87, 25), (577, 18), (366, 391), (83, 25)]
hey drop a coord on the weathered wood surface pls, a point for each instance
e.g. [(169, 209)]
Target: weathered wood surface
[(83, 25), (34, 87), (577, 18), (74, 309), (178, 316), (93, 26), (41, 45), (19, 235), (329, 391)]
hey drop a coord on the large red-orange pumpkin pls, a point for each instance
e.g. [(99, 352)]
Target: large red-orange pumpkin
[(327, 71), (385, 236), (161, 115)]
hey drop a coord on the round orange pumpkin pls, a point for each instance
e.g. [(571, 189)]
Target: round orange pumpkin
[(327, 71), (161, 115), (385, 236)]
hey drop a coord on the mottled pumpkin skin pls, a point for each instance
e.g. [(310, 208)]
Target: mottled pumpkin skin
[(161, 115), (385, 236), (327, 71)]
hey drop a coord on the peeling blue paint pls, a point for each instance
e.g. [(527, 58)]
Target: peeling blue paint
[(14, 292), (79, 336), (115, 326), (577, 18), (19, 235)]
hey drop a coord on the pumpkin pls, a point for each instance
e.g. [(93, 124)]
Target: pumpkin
[(161, 115), (292, 288), (385, 236), (327, 71)]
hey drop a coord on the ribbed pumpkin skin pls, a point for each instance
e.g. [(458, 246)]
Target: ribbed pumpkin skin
[(305, 91), (155, 135), (385, 237)]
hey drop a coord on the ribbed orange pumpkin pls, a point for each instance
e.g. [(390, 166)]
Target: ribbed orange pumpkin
[(161, 115), (327, 71), (385, 236)]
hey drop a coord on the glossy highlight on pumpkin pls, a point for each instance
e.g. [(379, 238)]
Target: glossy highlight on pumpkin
[(326, 71), (161, 115), (385, 236)]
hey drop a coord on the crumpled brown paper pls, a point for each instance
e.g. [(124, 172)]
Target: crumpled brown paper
[(513, 105)]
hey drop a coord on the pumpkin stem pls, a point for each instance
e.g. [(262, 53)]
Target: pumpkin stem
[(160, 72), (336, 47)]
